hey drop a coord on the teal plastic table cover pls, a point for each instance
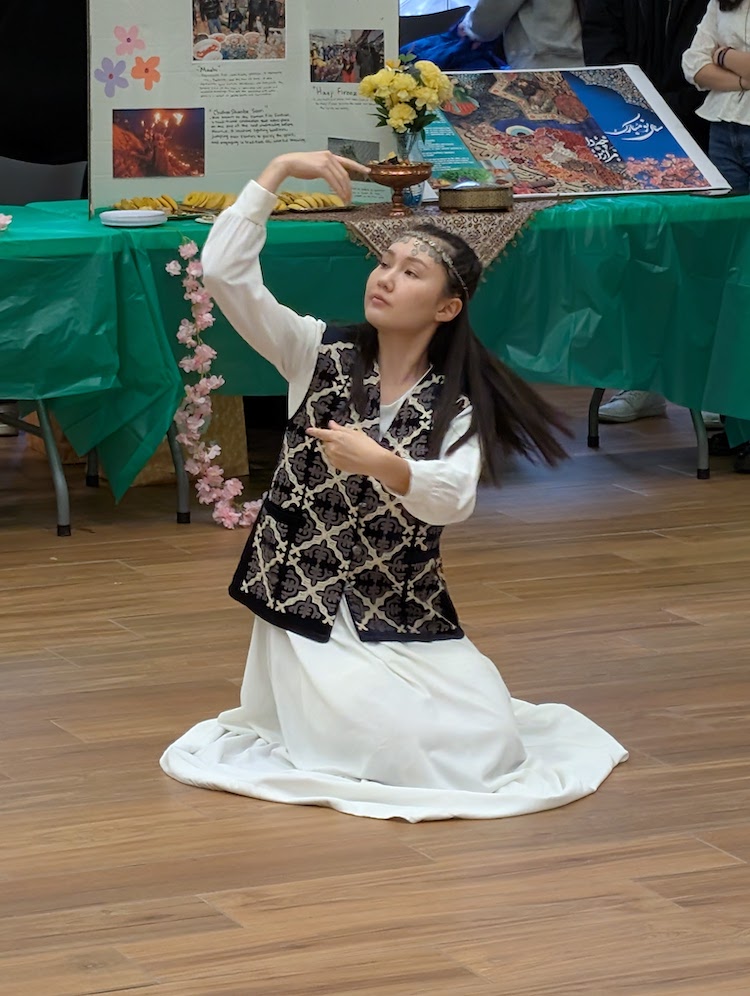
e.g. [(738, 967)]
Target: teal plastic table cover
[(649, 292)]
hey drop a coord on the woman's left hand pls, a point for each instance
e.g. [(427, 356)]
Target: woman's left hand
[(718, 49), (349, 450)]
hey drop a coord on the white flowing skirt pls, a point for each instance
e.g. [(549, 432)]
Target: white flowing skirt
[(416, 731)]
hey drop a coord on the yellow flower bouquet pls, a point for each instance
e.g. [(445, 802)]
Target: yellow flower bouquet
[(406, 94)]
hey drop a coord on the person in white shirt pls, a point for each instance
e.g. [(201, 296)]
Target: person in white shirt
[(718, 62), (361, 691)]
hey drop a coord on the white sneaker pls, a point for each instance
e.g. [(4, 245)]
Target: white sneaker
[(712, 421), (8, 408), (627, 406)]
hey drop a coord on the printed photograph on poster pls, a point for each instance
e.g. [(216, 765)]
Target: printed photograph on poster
[(558, 132), (238, 29), (340, 56), (158, 142), (354, 148)]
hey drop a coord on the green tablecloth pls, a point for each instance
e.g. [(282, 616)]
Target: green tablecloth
[(78, 328), (644, 292)]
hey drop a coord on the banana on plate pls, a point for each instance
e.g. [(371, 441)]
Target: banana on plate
[(203, 200), (288, 200), (161, 203), (207, 200)]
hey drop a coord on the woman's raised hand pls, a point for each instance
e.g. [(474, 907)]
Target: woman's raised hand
[(335, 170)]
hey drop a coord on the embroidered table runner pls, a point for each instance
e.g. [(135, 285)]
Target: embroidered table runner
[(487, 232)]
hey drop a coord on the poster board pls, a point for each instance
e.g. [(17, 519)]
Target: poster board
[(201, 94), (567, 133)]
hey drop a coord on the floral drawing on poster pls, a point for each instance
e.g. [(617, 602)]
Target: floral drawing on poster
[(570, 132), (147, 71), (129, 39), (113, 74)]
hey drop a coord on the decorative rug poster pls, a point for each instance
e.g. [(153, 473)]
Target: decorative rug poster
[(201, 94), (565, 132)]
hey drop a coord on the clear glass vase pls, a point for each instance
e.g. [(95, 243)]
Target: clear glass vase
[(405, 143)]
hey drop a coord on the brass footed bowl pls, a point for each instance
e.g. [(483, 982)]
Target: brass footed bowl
[(398, 176)]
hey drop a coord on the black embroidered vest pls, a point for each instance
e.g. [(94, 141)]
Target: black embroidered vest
[(322, 535)]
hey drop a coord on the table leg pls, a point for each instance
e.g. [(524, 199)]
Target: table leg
[(92, 469), (596, 399), (701, 436), (183, 482), (58, 477)]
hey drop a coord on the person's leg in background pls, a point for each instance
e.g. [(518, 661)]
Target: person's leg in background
[(729, 151)]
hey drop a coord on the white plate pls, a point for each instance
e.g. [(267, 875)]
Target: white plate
[(142, 218), (205, 219)]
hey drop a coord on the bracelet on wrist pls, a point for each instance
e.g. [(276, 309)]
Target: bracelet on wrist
[(722, 56), (743, 88)]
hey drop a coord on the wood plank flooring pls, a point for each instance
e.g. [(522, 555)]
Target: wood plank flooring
[(618, 584)]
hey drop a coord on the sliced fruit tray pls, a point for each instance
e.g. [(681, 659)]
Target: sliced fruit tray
[(200, 203), (195, 204), (301, 203)]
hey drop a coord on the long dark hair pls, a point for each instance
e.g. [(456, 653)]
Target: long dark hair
[(507, 414), (729, 4)]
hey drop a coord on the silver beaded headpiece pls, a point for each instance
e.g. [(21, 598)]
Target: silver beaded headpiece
[(438, 253)]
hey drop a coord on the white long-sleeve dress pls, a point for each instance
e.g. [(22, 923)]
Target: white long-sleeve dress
[(418, 731)]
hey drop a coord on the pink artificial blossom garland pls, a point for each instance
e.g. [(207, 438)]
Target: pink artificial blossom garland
[(194, 413)]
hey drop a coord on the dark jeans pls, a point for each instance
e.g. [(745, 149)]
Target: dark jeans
[(729, 151)]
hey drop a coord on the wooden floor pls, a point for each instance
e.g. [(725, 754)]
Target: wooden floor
[(618, 585)]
